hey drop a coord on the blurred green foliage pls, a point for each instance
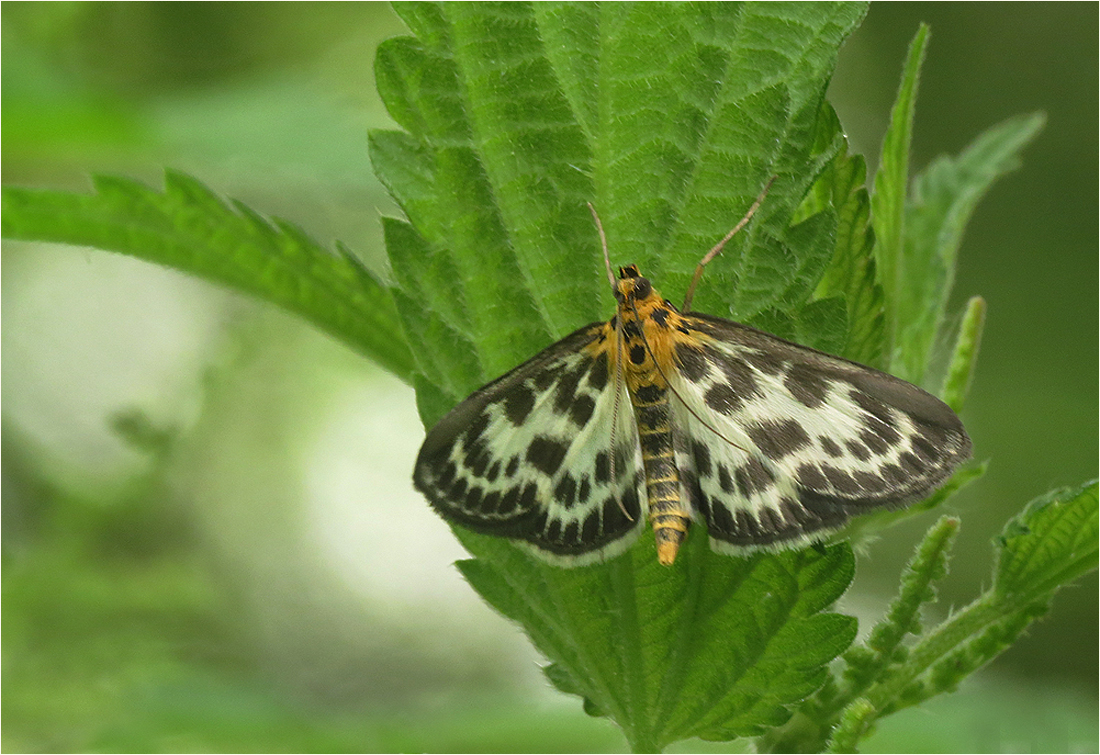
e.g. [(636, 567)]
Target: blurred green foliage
[(126, 630)]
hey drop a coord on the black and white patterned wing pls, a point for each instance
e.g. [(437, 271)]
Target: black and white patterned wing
[(778, 443), (529, 456)]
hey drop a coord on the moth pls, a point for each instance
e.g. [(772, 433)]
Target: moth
[(671, 416)]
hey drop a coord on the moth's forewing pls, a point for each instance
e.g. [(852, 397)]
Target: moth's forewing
[(529, 457), (779, 443)]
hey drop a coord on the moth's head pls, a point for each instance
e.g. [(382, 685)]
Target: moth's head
[(631, 286)]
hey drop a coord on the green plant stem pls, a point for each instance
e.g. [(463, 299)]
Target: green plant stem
[(961, 369), (854, 722), (842, 730), (948, 637), (929, 564)]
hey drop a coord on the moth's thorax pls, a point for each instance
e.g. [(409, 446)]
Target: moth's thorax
[(644, 331)]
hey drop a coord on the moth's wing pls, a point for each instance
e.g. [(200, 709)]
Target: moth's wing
[(529, 456), (780, 443)]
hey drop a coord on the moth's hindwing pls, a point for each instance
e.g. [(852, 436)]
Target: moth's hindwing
[(529, 456), (778, 443)]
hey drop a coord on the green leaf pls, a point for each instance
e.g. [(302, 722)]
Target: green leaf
[(916, 239), (851, 275), (191, 229), (943, 199), (891, 184), (668, 118), (715, 647), (1052, 542)]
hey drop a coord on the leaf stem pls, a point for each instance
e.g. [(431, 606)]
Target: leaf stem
[(950, 636), (928, 565)]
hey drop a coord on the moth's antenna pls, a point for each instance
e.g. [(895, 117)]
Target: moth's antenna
[(603, 243), (714, 252), (618, 358), (615, 412)]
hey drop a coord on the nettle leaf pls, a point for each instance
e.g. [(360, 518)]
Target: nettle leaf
[(918, 232), (892, 184), (840, 706), (716, 648), (1052, 542), (943, 198), (1047, 546), (190, 228), (669, 119), (851, 275)]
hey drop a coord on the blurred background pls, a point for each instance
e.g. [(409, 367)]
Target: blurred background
[(210, 540)]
